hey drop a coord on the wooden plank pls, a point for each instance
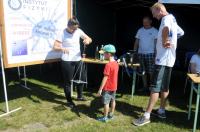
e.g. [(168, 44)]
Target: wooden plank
[(97, 61), (194, 78), (3, 37)]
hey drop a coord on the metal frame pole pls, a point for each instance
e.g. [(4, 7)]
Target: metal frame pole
[(4, 82), (25, 79)]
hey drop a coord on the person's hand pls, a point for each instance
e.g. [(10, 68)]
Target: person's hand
[(86, 41), (65, 50), (99, 92), (167, 44)]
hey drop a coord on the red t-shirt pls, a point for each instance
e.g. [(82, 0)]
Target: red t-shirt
[(111, 70)]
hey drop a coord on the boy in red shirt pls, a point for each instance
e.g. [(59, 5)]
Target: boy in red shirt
[(109, 83)]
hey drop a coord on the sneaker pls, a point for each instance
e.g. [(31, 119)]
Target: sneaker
[(71, 104), (110, 115), (103, 119), (141, 121), (161, 115), (81, 99)]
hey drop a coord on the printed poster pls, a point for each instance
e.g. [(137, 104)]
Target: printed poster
[(31, 27)]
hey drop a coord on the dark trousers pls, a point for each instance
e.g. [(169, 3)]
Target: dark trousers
[(69, 69)]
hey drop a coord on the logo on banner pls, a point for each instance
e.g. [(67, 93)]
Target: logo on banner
[(15, 4)]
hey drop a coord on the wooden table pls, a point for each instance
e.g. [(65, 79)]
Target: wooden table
[(134, 66), (196, 88)]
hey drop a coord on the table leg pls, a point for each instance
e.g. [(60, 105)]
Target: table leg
[(190, 101), (197, 109), (133, 83), (72, 87), (85, 73)]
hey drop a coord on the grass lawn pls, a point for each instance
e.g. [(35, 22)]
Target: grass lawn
[(43, 109)]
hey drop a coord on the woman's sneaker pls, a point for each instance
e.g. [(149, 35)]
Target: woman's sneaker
[(141, 121)]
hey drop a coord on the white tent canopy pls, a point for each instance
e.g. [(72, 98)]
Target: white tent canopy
[(180, 1)]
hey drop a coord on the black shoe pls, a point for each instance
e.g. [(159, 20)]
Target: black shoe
[(81, 99), (71, 104)]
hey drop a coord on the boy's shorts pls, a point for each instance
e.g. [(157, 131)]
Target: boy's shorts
[(161, 79), (107, 96)]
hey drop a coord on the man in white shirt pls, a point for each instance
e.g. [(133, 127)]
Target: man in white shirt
[(68, 42), (145, 44), (195, 63), (166, 45)]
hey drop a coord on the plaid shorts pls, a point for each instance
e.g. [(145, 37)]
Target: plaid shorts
[(161, 79), (147, 62)]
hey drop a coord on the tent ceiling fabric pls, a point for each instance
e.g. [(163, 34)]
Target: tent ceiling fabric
[(181, 1), (121, 4)]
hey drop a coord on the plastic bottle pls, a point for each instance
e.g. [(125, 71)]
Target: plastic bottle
[(97, 53), (101, 54)]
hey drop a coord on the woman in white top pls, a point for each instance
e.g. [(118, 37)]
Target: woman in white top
[(68, 42), (195, 63)]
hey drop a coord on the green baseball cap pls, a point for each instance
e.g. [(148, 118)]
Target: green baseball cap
[(109, 48)]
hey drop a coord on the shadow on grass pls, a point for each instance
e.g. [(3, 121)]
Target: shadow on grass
[(95, 109), (41, 92), (38, 72), (174, 118), (177, 119)]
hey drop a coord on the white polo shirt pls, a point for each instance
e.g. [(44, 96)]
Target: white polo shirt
[(167, 56), (196, 60), (146, 40), (72, 43)]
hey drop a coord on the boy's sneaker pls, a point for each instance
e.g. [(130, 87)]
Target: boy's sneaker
[(141, 121), (110, 115), (103, 119)]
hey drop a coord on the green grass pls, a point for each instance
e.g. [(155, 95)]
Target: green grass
[(43, 109)]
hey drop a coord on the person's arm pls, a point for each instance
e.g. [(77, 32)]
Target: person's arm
[(105, 78), (155, 42), (58, 47), (86, 39), (193, 68), (193, 64), (165, 38), (137, 39), (136, 44)]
